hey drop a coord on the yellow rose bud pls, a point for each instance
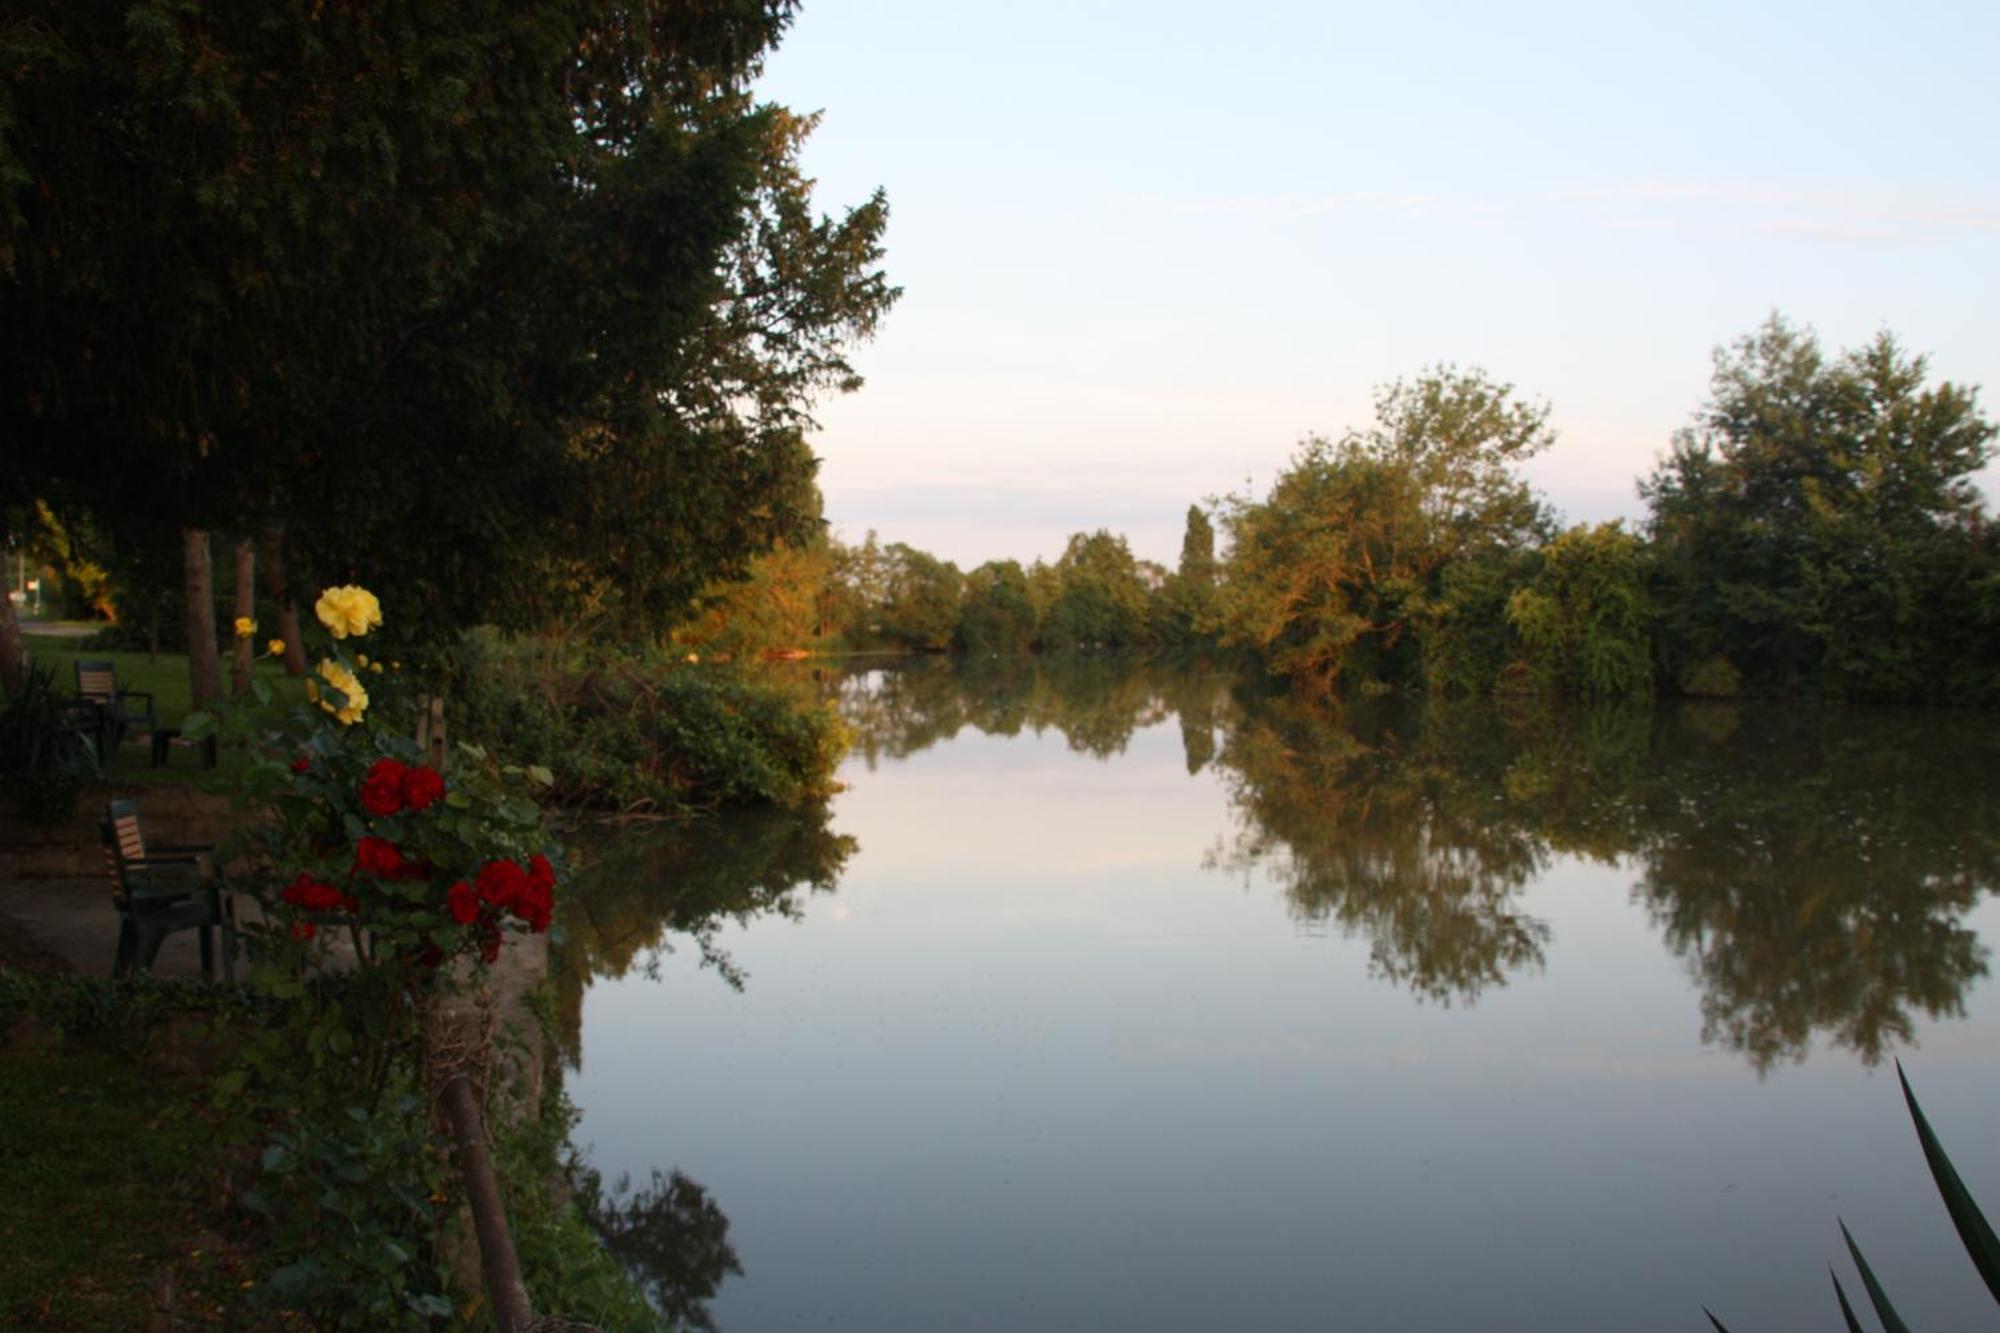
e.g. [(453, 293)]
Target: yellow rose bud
[(245, 627), (361, 659), (277, 647), (375, 667)]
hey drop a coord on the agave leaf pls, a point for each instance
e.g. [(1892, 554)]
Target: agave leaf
[(1846, 1310), (1720, 1327), (1979, 1240), (1891, 1321)]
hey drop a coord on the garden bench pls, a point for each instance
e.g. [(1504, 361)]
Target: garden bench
[(159, 890)]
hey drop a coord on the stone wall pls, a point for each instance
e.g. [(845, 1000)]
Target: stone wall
[(173, 814)]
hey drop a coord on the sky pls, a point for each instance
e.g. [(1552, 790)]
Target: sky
[(1147, 248)]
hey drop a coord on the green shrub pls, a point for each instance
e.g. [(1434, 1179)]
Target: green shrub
[(619, 732)]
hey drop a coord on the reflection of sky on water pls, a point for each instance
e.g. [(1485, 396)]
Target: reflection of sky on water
[(1033, 1065)]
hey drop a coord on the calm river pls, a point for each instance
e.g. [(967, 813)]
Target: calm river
[(1115, 997)]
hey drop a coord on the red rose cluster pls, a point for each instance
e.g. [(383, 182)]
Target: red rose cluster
[(312, 895), (529, 892), (392, 786), (384, 860)]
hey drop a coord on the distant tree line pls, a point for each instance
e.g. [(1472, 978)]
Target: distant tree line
[(1814, 532)]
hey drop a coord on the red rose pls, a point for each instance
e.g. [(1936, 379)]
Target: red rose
[(302, 765), (309, 894), (378, 857), (462, 903), (304, 930), (500, 883), (382, 789), (540, 872), (423, 787), (489, 946), (535, 906)]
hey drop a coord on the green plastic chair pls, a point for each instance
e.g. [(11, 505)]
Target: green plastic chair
[(118, 709), (159, 890)]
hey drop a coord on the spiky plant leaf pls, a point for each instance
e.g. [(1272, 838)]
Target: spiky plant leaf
[(1891, 1321), (1846, 1310), (1720, 1327), (1979, 1239)]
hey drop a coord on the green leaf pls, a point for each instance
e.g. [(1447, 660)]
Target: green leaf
[(260, 689), (1973, 1230), (541, 776), (197, 725), (1846, 1310), (1891, 1321), (458, 800)]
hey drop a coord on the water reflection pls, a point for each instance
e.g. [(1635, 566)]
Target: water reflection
[(1389, 832), (672, 1240), (1813, 869), (639, 887)]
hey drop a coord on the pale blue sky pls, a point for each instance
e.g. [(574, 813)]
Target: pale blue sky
[(1146, 247)]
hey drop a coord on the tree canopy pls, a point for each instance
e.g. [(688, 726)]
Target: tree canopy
[(496, 309), (1816, 527)]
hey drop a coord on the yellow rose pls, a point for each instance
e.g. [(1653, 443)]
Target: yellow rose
[(245, 627), (375, 667), (340, 678), (277, 647), (348, 610)]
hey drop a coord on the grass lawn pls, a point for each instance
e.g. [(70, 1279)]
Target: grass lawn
[(104, 1195), (167, 680)]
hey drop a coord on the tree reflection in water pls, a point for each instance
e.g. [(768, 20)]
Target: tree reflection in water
[(1813, 868), (638, 887), (672, 1240)]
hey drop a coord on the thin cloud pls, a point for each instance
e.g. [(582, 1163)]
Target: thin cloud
[(1305, 206), (1856, 215)]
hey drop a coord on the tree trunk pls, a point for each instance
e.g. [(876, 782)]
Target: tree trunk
[(204, 662), (282, 602), (245, 645), (13, 650)]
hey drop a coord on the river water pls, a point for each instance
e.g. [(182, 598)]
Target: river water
[(1111, 996)]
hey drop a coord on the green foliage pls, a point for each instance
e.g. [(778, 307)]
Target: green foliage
[(349, 1206), (1338, 571), (1185, 612), (90, 1006), (1818, 525), (567, 243), (1582, 620), (564, 1263), (920, 598), (615, 732), (1101, 598), (998, 614), (47, 751)]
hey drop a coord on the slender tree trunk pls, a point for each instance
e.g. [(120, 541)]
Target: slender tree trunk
[(13, 650), (245, 645), (204, 662), (281, 600)]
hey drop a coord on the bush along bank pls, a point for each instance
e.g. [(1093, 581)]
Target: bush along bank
[(617, 732)]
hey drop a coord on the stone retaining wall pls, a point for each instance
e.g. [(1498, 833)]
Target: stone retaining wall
[(173, 814)]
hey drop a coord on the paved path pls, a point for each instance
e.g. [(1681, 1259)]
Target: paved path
[(74, 920)]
